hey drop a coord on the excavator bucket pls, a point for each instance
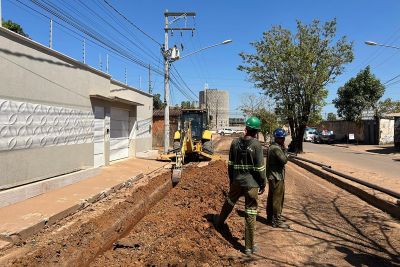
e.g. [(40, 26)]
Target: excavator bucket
[(176, 176)]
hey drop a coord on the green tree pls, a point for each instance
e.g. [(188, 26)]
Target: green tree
[(388, 106), (269, 122), (157, 103), (359, 94), (295, 68), (188, 104), (15, 27), (331, 116)]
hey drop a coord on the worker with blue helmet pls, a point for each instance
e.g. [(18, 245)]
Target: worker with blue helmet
[(276, 161)]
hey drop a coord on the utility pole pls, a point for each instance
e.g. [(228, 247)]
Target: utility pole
[(51, 34), (167, 60), (150, 91)]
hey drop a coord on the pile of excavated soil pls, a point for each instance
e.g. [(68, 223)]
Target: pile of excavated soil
[(176, 231), (76, 240)]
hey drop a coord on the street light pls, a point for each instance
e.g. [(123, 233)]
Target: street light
[(204, 48), (378, 44), (171, 55)]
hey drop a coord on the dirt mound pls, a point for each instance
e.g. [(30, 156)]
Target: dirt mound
[(176, 231), (77, 240)]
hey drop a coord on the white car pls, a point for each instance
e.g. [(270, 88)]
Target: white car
[(226, 131), (309, 134)]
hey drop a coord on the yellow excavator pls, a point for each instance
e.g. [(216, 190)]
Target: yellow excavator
[(192, 141)]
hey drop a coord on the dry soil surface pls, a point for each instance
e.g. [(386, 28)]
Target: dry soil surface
[(328, 227)]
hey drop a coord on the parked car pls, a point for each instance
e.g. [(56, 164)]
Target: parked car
[(309, 134), (226, 131), (324, 137)]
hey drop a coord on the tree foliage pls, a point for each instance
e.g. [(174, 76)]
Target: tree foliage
[(188, 104), (269, 121), (388, 106), (15, 27), (157, 103), (331, 116), (295, 68), (360, 93), (251, 103)]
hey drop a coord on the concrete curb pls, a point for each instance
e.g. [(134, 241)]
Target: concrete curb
[(379, 203), (14, 195), (20, 236)]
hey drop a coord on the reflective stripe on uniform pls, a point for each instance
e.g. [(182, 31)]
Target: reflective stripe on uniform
[(230, 201), (230, 162), (248, 167), (251, 211)]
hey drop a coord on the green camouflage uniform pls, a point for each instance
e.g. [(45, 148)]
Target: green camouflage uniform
[(246, 174), (277, 158)]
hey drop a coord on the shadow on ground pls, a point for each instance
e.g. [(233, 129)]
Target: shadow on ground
[(385, 151)]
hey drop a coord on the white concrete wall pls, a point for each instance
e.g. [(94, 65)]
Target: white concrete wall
[(141, 119), (386, 131), (46, 115)]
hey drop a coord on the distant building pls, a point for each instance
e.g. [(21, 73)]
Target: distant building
[(158, 125), (236, 122), (217, 103)]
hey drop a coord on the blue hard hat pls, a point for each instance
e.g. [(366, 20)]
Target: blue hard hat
[(279, 133)]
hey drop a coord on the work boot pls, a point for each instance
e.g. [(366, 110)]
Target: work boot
[(249, 251), (276, 223), (282, 219), (216, 222)]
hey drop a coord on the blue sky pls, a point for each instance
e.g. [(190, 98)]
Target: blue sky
[(241, 21)]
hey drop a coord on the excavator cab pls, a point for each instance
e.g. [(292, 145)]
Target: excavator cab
[(192, 140)]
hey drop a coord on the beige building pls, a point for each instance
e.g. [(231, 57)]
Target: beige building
[(58, 115), (217, 103)]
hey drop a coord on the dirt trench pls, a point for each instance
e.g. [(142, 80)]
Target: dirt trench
[(158, 226), (176, 231)]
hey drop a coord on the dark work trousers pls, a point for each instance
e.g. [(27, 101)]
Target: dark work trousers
[(250, 196), (276, 194)]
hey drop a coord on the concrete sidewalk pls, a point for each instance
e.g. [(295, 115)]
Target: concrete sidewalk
[(23, 219)]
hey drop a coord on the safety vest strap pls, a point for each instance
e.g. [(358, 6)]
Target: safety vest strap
[(251, 211)]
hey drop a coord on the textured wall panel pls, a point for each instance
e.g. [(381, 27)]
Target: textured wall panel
[(143, 128), (26, 125)]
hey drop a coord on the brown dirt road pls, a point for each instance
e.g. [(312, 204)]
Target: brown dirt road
[(329, 227)]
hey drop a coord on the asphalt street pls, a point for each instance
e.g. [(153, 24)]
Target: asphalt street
[(384, 169)]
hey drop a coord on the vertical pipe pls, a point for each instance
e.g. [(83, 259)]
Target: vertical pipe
[(51, 34)]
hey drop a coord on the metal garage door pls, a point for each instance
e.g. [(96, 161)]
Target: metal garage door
[(119, 134), (98, 136)]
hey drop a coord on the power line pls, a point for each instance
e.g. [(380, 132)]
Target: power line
[(395, 77), (130, 22), (92, 33), (101, 41)]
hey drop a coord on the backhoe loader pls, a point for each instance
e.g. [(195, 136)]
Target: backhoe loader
[(192, 141)]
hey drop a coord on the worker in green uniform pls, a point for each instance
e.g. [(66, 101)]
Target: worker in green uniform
[(246, 170), (276, 160)]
